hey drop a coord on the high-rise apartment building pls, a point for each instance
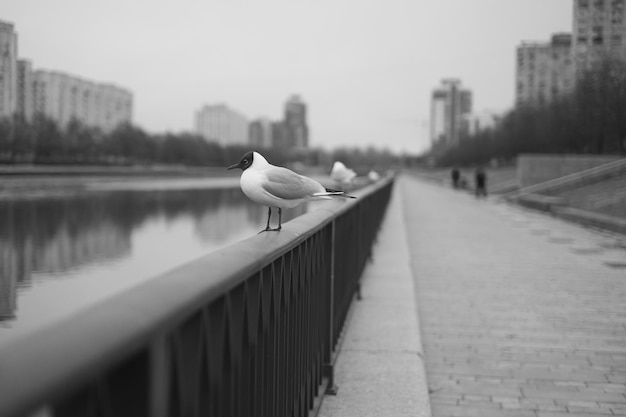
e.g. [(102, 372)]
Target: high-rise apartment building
[(218, 123), (449, 104), (261, 133), (599, 31), (295, 125), (8, 70), (59, 96), (25, 94), (544, 70), (62, 98)]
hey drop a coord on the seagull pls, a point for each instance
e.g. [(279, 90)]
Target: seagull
[(342, 174), (373, 176), (278, 187)]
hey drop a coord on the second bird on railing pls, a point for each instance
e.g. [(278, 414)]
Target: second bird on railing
[(341, 174), (278, 187)]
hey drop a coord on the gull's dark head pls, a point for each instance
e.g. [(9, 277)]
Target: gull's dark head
[(245, 162)]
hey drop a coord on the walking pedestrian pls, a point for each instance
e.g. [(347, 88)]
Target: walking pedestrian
[(480, 180), (455, 175)]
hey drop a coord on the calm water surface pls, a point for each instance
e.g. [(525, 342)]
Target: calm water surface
[(65, 250)]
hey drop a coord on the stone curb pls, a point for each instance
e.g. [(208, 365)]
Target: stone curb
[(380, 368)]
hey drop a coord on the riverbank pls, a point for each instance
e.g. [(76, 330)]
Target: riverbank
[(8, 171), (63, 186), (29, 181)]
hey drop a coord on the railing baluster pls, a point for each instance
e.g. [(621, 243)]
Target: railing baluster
[(160, 377)]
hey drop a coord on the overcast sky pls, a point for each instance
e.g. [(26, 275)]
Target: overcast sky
[(365, 68)]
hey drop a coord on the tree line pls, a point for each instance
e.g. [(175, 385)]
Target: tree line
[(43, 141), (590, 119)]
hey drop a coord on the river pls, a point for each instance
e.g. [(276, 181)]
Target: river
[(65, 248)]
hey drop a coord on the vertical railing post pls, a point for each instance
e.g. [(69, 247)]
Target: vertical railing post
[(360, 242), (159, 378), (329, 367)]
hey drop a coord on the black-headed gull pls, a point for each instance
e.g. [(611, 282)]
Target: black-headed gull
[(341, 174), (279, 187)]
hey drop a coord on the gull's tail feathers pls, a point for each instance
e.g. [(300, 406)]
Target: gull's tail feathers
[(333, 193)]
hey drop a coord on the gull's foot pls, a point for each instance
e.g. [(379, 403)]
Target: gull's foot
[(269, 230)]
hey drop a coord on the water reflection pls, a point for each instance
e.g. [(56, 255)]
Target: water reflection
[(107, 240)]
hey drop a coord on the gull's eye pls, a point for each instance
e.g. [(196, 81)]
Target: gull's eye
[(245, 161)]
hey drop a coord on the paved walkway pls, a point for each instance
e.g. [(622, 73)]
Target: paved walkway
[(521, 314)]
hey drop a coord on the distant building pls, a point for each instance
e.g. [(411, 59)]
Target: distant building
[(25, 93), (63, 98), (295, 129), (544, 70), (449, 104), (599, 31), (260, 134), (218, 123), (280, 139), (58, 96), (8, 70), (478, 122)]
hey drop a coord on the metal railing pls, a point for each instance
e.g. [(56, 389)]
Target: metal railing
[(249, 330)]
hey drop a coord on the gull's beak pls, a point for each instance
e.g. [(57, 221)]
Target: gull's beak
[(234, 166)]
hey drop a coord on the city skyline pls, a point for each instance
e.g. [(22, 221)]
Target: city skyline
[(366, 78)]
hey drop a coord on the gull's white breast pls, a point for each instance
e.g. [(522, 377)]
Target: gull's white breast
[(252, 184)]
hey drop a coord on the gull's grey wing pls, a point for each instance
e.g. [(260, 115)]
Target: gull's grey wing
[(284, 183)]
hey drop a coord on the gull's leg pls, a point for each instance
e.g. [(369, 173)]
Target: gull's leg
[(269, 216), (280, 219)]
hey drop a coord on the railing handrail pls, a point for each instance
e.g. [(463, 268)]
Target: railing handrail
[(567, 179), (70, 352)]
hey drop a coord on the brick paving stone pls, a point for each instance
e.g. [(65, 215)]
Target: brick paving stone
[(589, 411), (617, 379), (615, 388), (583, 404), (445, 399), (583, 395), (510, 312), (537, 407), (479, 404), (477, 411)]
